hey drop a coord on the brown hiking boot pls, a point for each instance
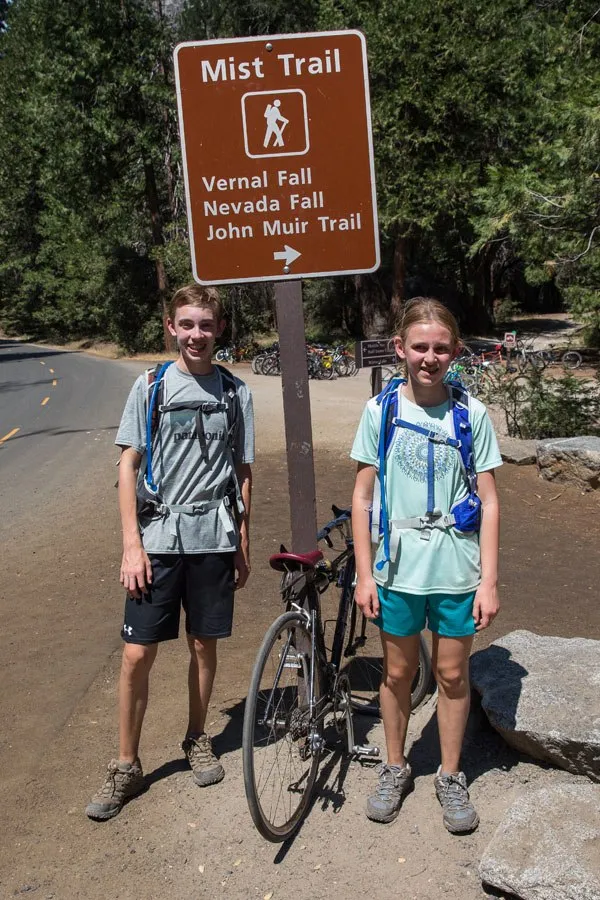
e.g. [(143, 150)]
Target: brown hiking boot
[(122, 781), (205, 766)]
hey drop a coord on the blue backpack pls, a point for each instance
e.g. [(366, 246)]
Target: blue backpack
[(465, 514)]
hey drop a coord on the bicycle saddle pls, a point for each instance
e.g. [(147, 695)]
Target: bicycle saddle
[(290, 562)]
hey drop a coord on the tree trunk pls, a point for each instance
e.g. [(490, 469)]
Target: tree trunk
[(158, 242), (480, 317), (374, 306), (399, 279)]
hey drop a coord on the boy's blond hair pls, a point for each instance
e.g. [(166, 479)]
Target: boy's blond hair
[(196, 295)]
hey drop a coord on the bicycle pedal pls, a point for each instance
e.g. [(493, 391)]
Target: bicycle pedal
[(366, 750)]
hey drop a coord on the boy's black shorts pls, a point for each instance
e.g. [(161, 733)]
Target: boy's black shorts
[(203, 583)]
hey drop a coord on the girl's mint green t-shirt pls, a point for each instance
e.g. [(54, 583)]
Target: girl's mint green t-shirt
[(450, 561)]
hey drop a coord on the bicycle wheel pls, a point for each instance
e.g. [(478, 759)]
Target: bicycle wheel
[(388, 372), (222, 355), (342, 367), (540, 359), (327, 368), (571, 359), (366, 668), (280, 744), (257, 363), (271, 366)]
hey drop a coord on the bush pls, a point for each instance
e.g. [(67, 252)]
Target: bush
[(536, 407)]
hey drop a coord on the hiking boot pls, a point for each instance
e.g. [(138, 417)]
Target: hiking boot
[(459, 813), (395, 782), (205, 766), (122, 781)]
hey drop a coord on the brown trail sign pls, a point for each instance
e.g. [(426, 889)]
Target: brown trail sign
[(280, 185), (276, 139)]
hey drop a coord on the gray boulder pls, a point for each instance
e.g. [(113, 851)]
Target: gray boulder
[(518, 452), (542, 694), (571, 461), (546, 847)]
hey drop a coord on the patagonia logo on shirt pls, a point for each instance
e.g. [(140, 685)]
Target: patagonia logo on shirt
[(191, 435)]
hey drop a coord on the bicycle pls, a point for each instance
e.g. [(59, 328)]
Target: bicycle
[(298, 683), (553, 356)]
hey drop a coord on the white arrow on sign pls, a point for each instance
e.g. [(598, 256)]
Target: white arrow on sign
[(288, 254)]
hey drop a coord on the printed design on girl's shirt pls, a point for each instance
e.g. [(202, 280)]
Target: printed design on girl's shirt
[(410, 453)]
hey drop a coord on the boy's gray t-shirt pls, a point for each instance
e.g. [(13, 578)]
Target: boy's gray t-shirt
[(183, 477)]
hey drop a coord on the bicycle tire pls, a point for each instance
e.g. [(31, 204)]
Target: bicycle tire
[(540, 359), (271, 366), (368, 672), (365, 668), (571, 359), (342, 367), (389, 372), (256, 363), (221, 355), (279, 766)]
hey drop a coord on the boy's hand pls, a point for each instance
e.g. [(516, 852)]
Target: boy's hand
[(367, 598), (486, 606), (242, 567), (136, 571)]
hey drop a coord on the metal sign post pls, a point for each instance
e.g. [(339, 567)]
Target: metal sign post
[(280, 185)]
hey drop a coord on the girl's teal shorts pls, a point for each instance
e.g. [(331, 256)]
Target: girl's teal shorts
[(449, 615)]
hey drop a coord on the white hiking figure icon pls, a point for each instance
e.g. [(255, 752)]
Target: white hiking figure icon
[(276, 123)]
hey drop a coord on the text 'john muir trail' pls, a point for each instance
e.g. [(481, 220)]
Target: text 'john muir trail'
[(231, 69), (351, 222)]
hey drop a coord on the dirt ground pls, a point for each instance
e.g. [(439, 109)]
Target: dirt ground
[(182, 841)]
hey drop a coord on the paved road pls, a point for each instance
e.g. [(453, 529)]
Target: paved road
[(59, 592), (56, 408)]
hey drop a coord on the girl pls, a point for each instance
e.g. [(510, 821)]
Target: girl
[(426, 571)]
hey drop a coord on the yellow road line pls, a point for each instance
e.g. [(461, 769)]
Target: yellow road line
[(42, 363), (45, 400), (9, 435), (51, 371), (55, 382)]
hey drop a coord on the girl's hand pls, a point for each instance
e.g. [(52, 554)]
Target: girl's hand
[(486, 606), (366, 597)]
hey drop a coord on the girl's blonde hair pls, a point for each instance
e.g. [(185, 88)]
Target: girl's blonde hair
[(421, 310)]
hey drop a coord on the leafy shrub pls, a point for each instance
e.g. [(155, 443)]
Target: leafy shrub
[(537, 407)]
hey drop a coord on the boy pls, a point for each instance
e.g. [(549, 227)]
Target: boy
[(185, 520)]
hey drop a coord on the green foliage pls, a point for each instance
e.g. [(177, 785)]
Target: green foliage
[(486, 133), (545, 201), (82, 125), (537, 407)]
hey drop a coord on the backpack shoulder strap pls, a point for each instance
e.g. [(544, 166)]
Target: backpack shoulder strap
[(230, 392), (463, 431), (388, 400), (155, 388)]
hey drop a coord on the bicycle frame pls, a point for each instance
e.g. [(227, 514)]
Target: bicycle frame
[(306, 600)]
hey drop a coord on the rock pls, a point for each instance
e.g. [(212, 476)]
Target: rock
[(546, 847), (542, 695), (571, 460), (520, 453)]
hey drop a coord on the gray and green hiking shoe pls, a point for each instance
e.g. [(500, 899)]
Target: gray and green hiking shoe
[(459, 813), (395, 783), (205, 766), (122, 781)]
